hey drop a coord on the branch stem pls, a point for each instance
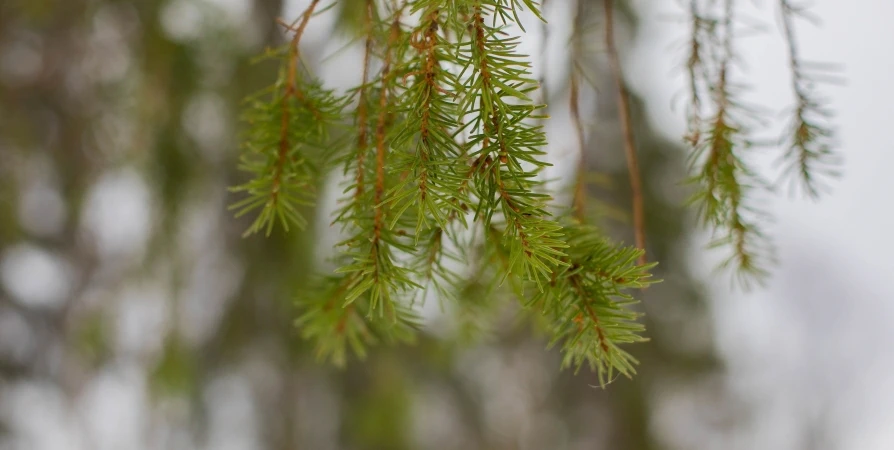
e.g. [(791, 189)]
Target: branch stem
[(627, 132), (290, 91), (362, 119)]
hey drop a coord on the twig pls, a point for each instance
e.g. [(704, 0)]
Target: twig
[(362, 121), (291, 91), (627, 131), (807, 137), (693, 67), (579, 188)]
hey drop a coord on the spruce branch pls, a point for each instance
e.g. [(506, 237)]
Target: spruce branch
[(587, 303), (362, 114), (724, 177), (434, 181), (696, 72), (509, 149), (283, 162), (373, 268), (450, 143), (810, 153), (362, 302)]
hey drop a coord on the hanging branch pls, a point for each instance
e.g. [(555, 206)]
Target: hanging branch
[(696, 71), (434, 181), (284, 172), (810, 152), (506, 141), (724, 177), (587, 303), (639, 218), (374, 262), (361, 304)]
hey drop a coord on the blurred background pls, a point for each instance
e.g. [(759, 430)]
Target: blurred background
[(134, 316)]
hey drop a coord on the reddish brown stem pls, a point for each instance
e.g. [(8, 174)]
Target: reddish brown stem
[(290, 91), (580, 186), (362, 107), (627, 132), (597, 325)]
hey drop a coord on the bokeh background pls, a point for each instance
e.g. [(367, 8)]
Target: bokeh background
[(134, 316)]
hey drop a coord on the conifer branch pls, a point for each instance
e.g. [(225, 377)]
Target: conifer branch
[(435, 185), (369, 279), (725, 178), (810, 151), (284, 173), (639, 223), (380, 139), (378, 273), (506, 143), (696, 74), (290, 90), (587, 303)]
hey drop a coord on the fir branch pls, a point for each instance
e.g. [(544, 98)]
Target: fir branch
[(496, 98), (284, 176), (726, 179), (369, 284), (639, 223), (335, 329), (433, 182), (587, 303), (377, 274), (381, 149), (810, 153), (695, 68)]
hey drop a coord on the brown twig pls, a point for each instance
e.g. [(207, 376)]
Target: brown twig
[(627, 131), (293, 62), (361, 107), (693, 67), (580, 186), (290, 91), (428, 45), (597, 325)]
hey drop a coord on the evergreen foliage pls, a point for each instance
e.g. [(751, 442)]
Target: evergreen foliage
[(443, 155)]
